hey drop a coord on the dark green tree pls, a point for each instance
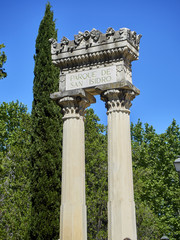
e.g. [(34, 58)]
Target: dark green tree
[(15, 201), (3, 59), (96, 177), (46, 138)]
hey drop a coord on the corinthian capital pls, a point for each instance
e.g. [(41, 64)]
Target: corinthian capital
[(73, 102), (118, 99), (73, 107)]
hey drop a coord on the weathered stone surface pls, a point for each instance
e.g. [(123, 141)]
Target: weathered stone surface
[(83, 61), (88, 79), (96, 63), (77, 93), (91, 48), (121, 207), (123, 84), (73, 220), (91, 78)]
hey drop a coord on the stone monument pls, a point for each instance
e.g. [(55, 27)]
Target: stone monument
[(96, 63)]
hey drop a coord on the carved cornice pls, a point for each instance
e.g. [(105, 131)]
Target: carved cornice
[(95, 58), (122, 85), (118, 100), (92, 48)]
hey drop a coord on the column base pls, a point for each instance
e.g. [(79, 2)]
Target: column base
[(122, 221), (73, 222)]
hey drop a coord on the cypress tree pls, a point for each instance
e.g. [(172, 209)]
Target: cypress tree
[(46, 137)]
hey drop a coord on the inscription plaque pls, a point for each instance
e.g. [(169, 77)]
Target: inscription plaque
[(90, 78)]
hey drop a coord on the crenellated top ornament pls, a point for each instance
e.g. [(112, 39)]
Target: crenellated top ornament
[(110, 31), (94, 35), (90, 47)]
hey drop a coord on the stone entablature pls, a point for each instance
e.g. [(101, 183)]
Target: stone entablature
[(94, 58)]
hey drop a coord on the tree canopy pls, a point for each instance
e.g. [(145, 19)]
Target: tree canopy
[(3, 59), (15, 202), (156, 181)]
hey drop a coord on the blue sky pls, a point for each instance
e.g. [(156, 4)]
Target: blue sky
[(156, 73)]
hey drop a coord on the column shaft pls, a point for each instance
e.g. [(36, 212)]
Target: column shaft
[(73, 206), (121, 207)]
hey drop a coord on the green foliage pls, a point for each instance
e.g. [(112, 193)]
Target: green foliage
[(46, 138), (15, 202), (3, 59), (155, 175), (147, 221), (96, 177), (156, 182), (10, 118)]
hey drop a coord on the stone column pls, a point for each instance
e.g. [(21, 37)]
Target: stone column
[(121, 207), (73, 206)]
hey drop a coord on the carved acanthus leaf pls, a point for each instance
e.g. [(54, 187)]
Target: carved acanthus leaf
[(73, 107), (118, 99)]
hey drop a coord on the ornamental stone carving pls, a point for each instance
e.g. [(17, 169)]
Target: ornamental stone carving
[(93, 53), (95, 34), (110, 32), (123, 71), (53, 45), (118, 100), (62, 82), (73, 107), (64, 41), (73, 103), (78, 38), (125, 33), (103, 48)]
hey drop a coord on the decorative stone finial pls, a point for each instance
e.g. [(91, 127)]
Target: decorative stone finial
[(95, 34), (110, 31), (64, 41)]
